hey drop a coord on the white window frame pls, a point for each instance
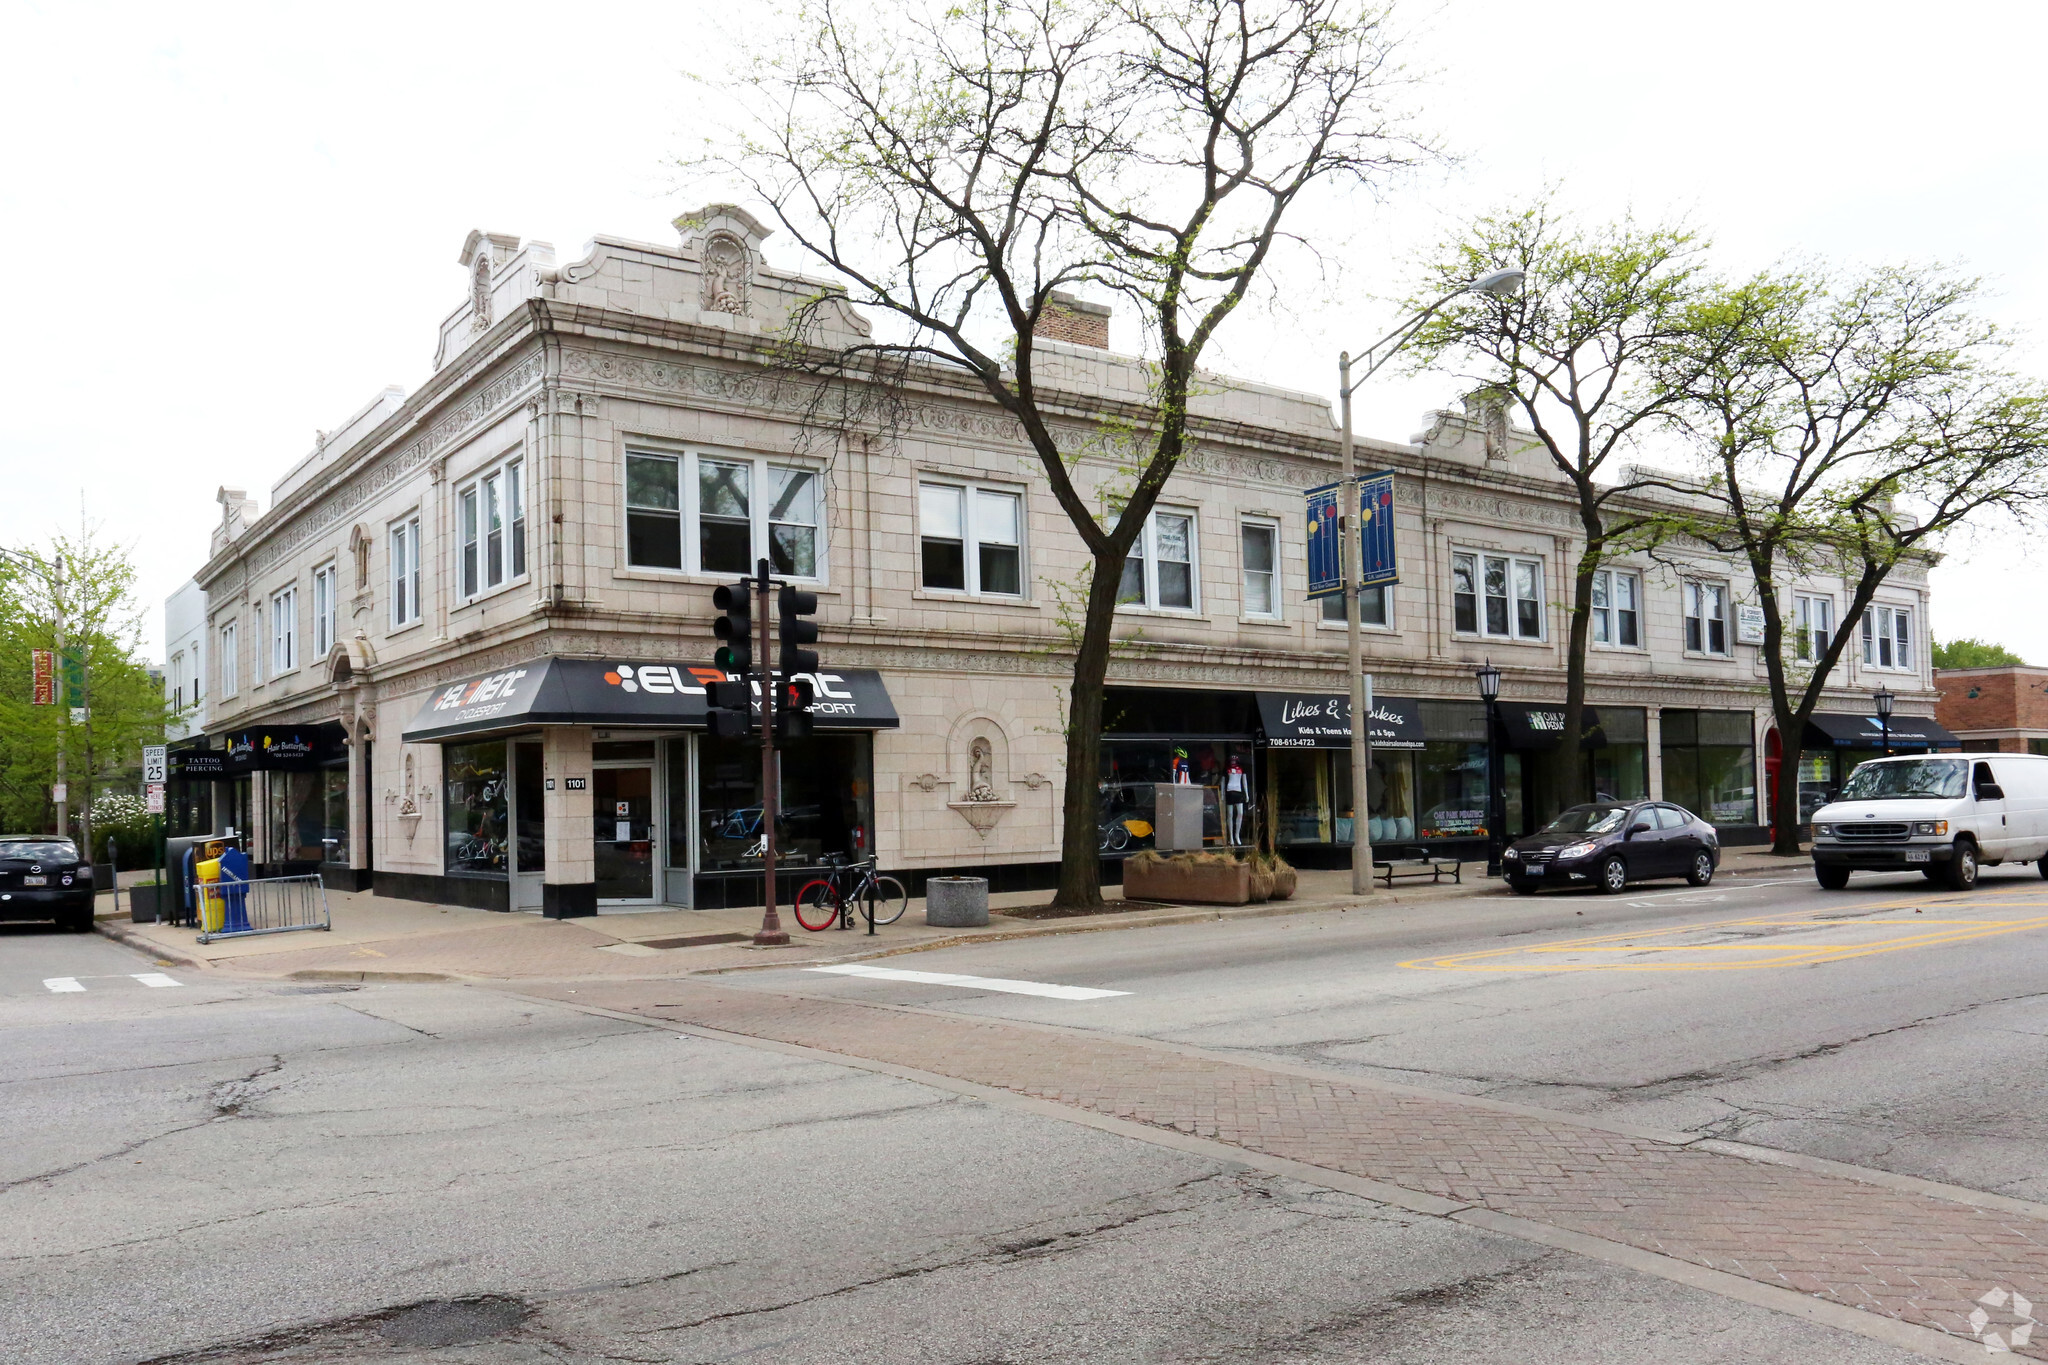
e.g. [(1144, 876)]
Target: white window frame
[(502, 485), (403, 538), (1885, 646), (688, 472), (1271, 527), (258, 646), (1607, 616), (1811, 640), (1693, 603), (230, 680), (177, 681), (1330, 614), (326, 609), (1511, 562), (284, 631), (968, 491), (1146, 549)]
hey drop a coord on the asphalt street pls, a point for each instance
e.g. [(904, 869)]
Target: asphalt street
[(221, 1171), (1893, 1024)]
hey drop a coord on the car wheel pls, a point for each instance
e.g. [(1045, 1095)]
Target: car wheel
[(1962, 869), (1831, 878), (2042, 865), (1702, 870), (1522, 886), (1613, 876)]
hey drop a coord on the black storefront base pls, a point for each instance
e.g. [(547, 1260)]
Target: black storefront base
[(568, 900), (472, 893), (743, 891), (338, 878)]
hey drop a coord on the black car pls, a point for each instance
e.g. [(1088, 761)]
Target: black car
[(1608, 844), (42, 877)]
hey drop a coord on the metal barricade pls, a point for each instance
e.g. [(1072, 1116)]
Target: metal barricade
[(267, 905)]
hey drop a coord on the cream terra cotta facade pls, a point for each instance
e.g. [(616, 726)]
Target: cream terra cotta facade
[(663, 349)]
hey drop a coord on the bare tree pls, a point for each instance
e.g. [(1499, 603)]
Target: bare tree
[(1587, 355), (955, 164), (1845, 425)]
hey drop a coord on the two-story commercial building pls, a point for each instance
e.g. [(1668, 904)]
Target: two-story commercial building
[(462, 654)]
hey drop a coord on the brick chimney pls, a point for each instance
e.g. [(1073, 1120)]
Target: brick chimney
[(1066, 318)]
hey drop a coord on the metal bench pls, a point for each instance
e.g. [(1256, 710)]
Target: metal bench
[(1419, 864)]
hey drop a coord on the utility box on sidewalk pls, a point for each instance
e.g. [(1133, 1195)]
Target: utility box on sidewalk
[(956, 902), (1177, 818)]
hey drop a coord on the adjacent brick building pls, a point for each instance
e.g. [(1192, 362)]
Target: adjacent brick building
[(1995, 710)]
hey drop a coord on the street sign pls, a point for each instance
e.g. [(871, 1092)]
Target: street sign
[(1325, 544), (1376, 526), (156, 763), (153, 798), (44, 668)]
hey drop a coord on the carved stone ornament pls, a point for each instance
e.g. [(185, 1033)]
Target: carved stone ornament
[(926, 781), (982, 815), (1035, 780), (359, 551), (981, 785), (480, 292), (725, 274), (408, 805)]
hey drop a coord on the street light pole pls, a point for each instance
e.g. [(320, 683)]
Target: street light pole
[(1883, 700), (1496, 804), (1500, 284)]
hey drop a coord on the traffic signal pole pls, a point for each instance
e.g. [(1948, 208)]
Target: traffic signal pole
[(771, 934)]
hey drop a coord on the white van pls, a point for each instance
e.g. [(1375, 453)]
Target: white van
[(1943, 815)]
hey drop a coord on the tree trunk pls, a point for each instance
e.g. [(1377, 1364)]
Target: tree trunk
[(1081, 840), (1571, 786)]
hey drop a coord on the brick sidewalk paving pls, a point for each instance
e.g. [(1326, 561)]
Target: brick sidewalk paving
[(1913, 1257)]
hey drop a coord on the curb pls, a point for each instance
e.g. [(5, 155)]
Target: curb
[(122, 935), (335, 974)]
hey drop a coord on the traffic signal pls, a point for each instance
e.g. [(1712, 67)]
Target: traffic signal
[(730, 709), (793, 708), (735, 629), (791, 607)]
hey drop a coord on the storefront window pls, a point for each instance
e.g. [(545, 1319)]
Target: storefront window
[(334, 815), (1301, 795), (530, 806), (1621, 765), (1710, 764), (1390, 795), (827, 801), (1816, 780), (1133, 768), (474, 799), (309, 816)]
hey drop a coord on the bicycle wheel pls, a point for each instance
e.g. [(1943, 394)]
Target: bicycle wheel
[(883, 900), (817, 905)]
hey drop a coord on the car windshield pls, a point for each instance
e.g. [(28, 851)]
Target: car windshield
[(42, 850), (1588, 820), (1949, 777)]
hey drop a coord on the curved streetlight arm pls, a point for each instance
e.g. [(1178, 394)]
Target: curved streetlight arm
[(1391, 345)]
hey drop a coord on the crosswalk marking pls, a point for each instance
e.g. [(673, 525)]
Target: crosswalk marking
[(973, 983), (61, 985)]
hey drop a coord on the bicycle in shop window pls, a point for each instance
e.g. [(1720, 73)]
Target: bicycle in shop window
[(831, 899)]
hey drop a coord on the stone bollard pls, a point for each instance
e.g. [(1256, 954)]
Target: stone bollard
[(956, 902)]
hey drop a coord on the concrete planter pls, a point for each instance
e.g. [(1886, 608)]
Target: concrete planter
[(956, 902), (142, 902), (1200, 883)]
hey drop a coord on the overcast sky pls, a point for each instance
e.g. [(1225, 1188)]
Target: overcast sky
[(230, 226)]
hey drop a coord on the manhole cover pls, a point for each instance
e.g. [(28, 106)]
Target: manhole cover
[(693, 940), (453, 1322)]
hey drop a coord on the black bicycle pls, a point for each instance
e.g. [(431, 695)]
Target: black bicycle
[(830, 899)]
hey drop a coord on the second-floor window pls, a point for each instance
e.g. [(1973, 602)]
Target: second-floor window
[(1260, 541), (1813, 626), (739, 509), (405, 572), (324, 610), (1374, 607), (1706, 617), (1618, 608), (1160, 570), (284, 631), (493, 518), (229, 682), (971, 539), (256, 647), (178, 682), (1888, 637), (1497, 595)]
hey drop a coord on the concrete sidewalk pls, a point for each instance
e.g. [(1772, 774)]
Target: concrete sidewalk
[(382, 938)]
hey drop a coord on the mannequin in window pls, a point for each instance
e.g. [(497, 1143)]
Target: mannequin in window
[(1237, 787), (1178, 769)]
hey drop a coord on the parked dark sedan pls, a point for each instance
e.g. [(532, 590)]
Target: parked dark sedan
[(42, 877), (1608, 844)]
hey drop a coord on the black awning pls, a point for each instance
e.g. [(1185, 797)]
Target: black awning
[(1540, 725), (273, 748), (198, 764), (596, 692), (1845, 731), (1322, 720)]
